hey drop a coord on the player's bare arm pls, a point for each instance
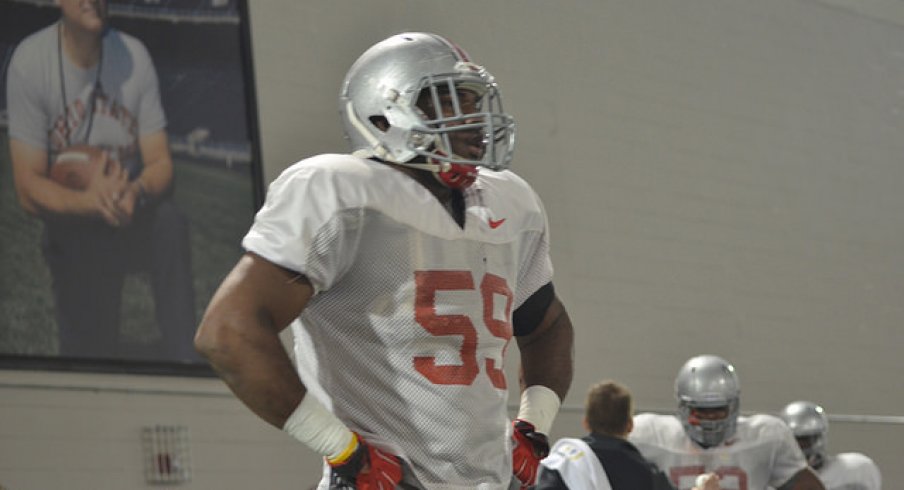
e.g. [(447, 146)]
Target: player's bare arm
[(805, 479), (547, 353), (40, 196), (545, 339), (239, 336)]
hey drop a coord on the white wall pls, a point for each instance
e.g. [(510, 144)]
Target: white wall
[(721, 176), (83, 431)]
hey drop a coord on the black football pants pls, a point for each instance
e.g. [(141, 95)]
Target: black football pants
[(88, 264)]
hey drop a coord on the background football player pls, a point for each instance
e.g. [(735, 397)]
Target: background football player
[(708, 435), (843, 471), (404, 269)]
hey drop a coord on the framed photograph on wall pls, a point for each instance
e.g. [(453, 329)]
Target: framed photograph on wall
[(129, 172)]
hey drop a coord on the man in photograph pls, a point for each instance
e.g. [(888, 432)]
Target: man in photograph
[(90, 159)]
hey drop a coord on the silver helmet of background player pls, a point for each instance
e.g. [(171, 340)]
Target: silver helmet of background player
[(810, 425), (708, 382), (384, 84)]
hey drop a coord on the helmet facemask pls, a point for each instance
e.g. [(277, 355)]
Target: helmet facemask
[(709, 432), (464, 106), (814, 448), (462, 126)]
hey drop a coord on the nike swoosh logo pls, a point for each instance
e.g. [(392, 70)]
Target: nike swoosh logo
[(495, 223)]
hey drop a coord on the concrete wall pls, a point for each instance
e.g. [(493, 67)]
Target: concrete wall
[(722, 176)]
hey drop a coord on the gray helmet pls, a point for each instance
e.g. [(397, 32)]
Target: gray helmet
[(810, 425), (708, 382), (386, 82)]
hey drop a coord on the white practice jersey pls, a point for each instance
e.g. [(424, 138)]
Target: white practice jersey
[(850, 471), (762, 452), (405, 337)]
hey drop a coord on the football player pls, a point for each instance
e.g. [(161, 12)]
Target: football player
[(708, 435), (843, 471), (404, 270)]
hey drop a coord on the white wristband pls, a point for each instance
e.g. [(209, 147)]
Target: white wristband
[(539, 406), (314, 425)]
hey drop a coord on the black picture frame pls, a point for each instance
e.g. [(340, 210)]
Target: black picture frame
[(202, 54)]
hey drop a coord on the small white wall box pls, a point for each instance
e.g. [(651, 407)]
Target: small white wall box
[(166, 454)]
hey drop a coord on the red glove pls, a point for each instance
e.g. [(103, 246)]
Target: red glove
[(367, 468), (528, 449)]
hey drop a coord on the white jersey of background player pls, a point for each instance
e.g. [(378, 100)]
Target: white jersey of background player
[(708, 435), (414, 266), (844, 471)]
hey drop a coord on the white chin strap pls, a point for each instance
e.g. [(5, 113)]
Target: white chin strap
[(430, 167)]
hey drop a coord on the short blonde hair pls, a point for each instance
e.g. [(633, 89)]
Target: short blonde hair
[(609, 408)]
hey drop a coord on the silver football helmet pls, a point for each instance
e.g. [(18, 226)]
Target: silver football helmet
[(810, 425), (384, 85), (708, 382)]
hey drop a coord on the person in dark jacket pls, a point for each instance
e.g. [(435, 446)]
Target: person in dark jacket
[(618, 464)]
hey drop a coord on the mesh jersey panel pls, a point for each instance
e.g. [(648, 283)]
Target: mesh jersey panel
[(406, 336)]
